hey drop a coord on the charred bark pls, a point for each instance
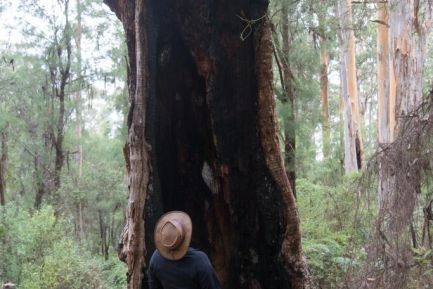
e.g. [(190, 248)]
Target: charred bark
[(202, 139)]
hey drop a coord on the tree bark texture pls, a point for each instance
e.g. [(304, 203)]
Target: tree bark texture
[(78, 124), (383, 117), (353, 145), (324, 64), (288, 98), (385, 96), (202, 139), (401, 57), (401, 54)]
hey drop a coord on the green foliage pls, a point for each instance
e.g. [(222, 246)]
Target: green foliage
[(332, 229), (39, 252), (114, 272), (70, 242)]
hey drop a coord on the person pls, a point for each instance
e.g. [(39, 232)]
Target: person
[(174, 264)]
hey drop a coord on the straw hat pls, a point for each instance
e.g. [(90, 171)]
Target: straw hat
[(173, 234)]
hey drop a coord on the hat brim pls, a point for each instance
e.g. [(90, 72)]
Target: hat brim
[(180, 251)]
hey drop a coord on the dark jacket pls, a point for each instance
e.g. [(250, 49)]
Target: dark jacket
[(193, 271)]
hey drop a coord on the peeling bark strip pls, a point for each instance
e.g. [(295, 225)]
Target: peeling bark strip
[(401, 55), (132, 248), (291, 249), (353, 144), (196, 84), (383, 76)]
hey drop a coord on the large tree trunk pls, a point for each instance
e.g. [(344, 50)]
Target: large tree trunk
[(202, 139), (401, 56), (353, 145)]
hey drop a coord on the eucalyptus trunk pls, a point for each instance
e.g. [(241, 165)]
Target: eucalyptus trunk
[(324, 83), (402, 33), (401, 56), (353, 144)]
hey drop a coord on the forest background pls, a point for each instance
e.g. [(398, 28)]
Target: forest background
[(63, 99)]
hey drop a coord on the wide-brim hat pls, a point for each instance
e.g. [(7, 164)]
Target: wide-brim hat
[(173, 234)]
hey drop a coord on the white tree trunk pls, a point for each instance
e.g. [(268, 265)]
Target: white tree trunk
[(401, 55), (353, 145)]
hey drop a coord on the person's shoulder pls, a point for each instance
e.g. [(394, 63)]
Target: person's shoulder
[(196, 252), (156, 254), (198, 255), (156, 257)]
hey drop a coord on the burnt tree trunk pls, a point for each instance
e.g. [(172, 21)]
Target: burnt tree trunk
[(202, 139)]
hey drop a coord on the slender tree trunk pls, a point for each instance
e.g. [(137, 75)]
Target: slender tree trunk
[(42, 176), (203, 98), (60, 135), (353, 145), (383, 78), (78, 106), (342, 131), (38, 177), (78, 101), (386, 95), (3, 163), (48, 171), (104, 235), (64, 70), (80, 220), (58, 146), (324, 62)]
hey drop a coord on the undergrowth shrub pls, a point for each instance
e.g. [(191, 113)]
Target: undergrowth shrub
[(334, 228), (40, 252)]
